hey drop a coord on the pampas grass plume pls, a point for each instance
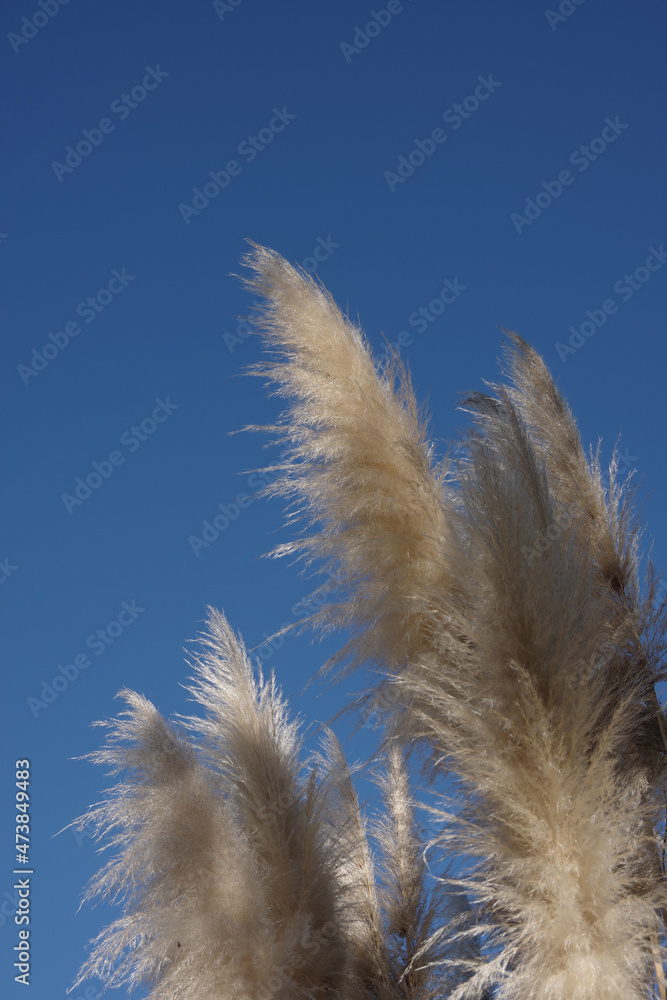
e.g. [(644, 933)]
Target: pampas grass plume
[(498, 598)]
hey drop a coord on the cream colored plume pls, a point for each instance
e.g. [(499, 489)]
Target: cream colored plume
[(224, 866), (511, 633), (358, 468), (499, 601), (241, 870)]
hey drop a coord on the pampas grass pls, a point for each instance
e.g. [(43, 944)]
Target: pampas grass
[(223, 865), (498, 600), (358, 466), (242, 872)]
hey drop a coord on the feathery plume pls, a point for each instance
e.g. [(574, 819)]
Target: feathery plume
[(521, 646), (499, 601), (225, 868), (420, 920), (539, 712), (369, 959), (358, 469)]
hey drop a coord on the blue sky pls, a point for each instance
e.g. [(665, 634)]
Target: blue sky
[(446, 168)]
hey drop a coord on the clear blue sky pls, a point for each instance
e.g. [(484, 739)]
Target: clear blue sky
[(325, 136)]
